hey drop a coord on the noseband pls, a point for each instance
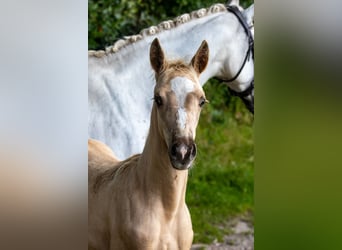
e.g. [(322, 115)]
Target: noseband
[(250, 50)]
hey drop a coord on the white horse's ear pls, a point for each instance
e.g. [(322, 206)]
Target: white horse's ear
[(249, 15), (157, 58), (200, 60), (233, 2)]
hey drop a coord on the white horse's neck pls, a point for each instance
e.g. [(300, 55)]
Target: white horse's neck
[(180, 41), (157, 174)]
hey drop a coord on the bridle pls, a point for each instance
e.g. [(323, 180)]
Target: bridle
[(250, 50)]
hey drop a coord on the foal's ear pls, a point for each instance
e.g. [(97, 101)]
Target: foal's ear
[(200, 59), (157, 58)]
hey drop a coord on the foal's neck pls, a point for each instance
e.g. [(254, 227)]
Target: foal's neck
[(157, 174)]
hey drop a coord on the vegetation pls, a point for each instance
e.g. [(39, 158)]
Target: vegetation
[(221, 184)]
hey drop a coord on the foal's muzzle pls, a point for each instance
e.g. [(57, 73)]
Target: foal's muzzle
[(182, 153)]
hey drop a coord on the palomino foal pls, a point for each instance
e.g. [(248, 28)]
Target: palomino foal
[(139, 203)]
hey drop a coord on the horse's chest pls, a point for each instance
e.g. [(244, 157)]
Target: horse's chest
[(157, 233), (176, 239), (166, 239)]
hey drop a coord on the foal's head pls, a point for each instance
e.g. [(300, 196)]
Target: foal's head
[(178, 99)]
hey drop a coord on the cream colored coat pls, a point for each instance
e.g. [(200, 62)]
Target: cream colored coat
[(139, 203)]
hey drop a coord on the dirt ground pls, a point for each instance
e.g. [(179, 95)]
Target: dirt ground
[(242, 238)]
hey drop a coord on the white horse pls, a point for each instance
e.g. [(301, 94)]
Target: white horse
[(120, 79)]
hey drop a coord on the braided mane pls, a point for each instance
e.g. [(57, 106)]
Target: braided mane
[(153, 30)]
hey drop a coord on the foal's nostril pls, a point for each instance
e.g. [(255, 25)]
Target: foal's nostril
[(193, 150), (174, 150)]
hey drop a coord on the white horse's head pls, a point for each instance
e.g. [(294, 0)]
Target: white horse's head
[(178, 99), (239, 65), (247, 13)]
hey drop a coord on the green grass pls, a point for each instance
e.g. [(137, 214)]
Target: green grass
[(221, 183)]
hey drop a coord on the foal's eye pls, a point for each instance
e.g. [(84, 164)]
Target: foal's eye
[(202, 101), (158, 100)]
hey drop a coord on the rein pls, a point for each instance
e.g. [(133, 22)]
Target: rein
[(250, 50)]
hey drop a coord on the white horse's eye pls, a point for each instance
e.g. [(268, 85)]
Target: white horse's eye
[(158, 100)]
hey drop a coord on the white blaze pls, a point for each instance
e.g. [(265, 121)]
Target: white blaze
[(181, 117), (181, 86)]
